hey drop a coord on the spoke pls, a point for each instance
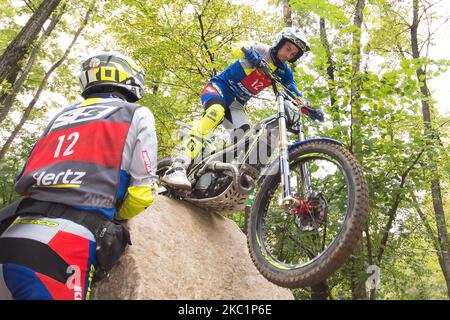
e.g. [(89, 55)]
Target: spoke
[(310, 252)]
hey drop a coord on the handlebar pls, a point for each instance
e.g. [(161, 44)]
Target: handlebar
[(264, 67)]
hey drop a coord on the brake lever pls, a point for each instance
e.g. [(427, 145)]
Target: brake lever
[(265, 68), (286, 96)]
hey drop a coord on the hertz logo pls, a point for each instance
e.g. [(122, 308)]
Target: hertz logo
[(65, 179)]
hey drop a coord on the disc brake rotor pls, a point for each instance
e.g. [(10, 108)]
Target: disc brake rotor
[(310, 212)]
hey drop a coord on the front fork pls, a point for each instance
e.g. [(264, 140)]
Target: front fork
[(306, 176), (287, 199)]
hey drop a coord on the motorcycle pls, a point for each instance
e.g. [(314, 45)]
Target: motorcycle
[(306, 202)]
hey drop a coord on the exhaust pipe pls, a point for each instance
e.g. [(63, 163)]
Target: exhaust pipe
[(244, 187)]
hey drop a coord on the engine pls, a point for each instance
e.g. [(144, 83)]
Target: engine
[(211, 184)]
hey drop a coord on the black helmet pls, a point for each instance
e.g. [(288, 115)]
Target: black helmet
[(109, 72)]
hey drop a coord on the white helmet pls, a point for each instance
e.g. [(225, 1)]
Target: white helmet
[(294, 35)]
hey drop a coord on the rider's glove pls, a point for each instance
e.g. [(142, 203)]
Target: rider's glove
[(302, 102), (307, 109), (253, 56), (316, 114)]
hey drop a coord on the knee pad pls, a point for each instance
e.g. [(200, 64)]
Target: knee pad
[(212, 117)]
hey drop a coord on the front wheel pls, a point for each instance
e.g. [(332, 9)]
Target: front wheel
[(302, 245)]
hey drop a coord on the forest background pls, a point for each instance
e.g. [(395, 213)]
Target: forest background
[(378, 69)]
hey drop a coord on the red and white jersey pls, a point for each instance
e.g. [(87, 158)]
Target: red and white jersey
[(91, 153)]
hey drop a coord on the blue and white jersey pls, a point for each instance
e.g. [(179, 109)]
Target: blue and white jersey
[(242, 80)]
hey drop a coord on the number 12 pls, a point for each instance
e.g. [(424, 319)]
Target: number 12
[(69, 150)]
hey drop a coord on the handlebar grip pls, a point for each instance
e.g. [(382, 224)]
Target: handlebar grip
[(263, 66), (316, 114)]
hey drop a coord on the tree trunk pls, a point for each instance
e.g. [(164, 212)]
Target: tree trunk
[(426, 223), (8, 98), (330, 73), (369, 246), (203, 32), (42, 86), (431, 142), (355, 128), (358, 274), (287, 19), (18, 48), (435, 240), (287, 13), (395, 204), (320, 291)]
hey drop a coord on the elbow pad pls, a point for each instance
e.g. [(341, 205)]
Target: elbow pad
[(137, 200)]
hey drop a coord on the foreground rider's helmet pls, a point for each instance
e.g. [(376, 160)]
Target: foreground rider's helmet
[(294, 35), (106, 72)]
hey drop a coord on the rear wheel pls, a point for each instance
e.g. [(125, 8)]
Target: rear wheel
[(302, 245)]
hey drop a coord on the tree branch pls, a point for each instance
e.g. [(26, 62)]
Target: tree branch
[(43, 85), (393, 210)]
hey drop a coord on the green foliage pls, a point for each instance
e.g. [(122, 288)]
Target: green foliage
[(11, 166), (8, 27), (391, 125), (335, 15), (181, 44)]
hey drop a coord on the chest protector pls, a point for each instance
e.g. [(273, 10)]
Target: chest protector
[(78, 158)]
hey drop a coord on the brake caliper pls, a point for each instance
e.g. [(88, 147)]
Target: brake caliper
[(310, 211)]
